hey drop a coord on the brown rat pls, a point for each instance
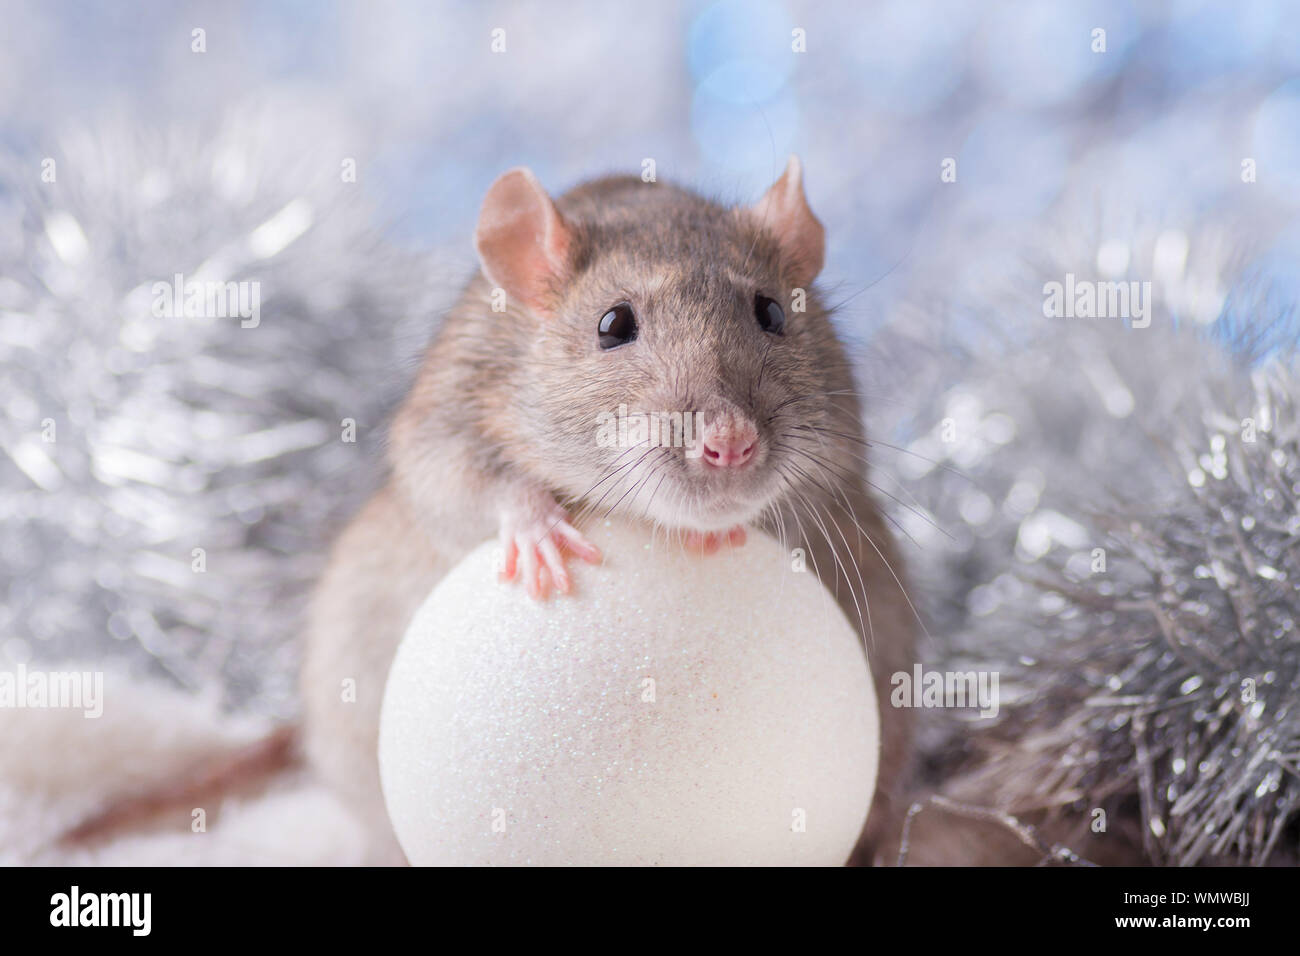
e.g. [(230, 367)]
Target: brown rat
[(627, 293)]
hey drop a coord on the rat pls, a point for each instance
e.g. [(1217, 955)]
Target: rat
[(629, 293), (618, 293)]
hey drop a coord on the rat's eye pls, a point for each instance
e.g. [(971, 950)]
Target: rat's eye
[(617, 326), (770, 316)]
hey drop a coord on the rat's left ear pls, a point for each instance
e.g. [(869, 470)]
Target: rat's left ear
[(783, 211)]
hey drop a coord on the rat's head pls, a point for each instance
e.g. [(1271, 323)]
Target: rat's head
[(677, 361)]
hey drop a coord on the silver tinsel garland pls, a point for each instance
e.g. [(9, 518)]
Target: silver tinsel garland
[(1121, 527), (168, 485), (1173, 674)]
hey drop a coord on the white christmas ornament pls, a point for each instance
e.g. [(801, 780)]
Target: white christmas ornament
[(676, 709)]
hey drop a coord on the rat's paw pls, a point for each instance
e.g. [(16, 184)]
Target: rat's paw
[(709, 542), (535, 538)]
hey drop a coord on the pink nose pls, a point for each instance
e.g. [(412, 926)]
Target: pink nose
[(730, 445)]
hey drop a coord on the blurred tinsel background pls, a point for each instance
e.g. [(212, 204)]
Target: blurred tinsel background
[(1052, 437)]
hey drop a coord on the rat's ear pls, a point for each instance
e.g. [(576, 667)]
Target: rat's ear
[(522, 240), (783, 211)]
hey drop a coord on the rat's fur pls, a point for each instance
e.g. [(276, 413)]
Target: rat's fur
[(505, 405)]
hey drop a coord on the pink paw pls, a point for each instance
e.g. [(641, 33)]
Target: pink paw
[(535, 540), (708, 542)]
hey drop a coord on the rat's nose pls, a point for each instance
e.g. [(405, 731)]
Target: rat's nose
[(729, 443)]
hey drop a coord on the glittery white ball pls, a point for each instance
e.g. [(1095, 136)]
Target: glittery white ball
[(675, 709)]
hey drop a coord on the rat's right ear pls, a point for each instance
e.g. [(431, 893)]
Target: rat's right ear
[(522, 240), (784, 212)]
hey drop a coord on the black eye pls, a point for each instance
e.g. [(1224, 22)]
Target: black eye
[(617, 326), (770, 316)]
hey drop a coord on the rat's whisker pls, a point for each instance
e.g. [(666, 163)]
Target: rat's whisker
[(612, 469), (816, 515), (636, 488), (864, 624), (659, 467), (888, 566), (621, 478), (831, 472), (877, 443), (874, 466), (845, 476)]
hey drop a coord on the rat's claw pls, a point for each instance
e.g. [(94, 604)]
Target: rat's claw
[(535, 538), (709, 542), (554, 564), (575, 542), (530, 564), (510, 558)]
